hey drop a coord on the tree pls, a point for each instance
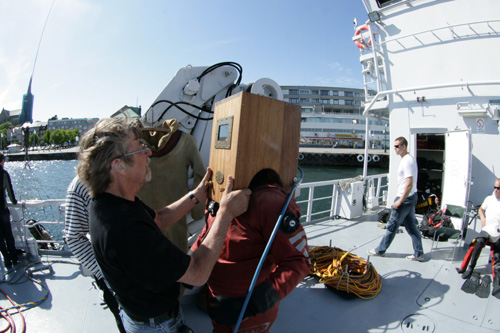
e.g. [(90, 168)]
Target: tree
[(34, 139), (46, 136), (57, 137), (5, 126), (75, 133)]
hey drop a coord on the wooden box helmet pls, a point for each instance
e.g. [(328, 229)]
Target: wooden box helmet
[(251, 133)]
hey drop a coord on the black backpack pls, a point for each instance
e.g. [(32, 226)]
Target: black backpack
[(433, 220), (384, 214)]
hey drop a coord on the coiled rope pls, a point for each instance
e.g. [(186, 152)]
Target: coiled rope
[(344, 271), (19, 307)]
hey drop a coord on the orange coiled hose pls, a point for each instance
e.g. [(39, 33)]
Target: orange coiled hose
[(344, 271)]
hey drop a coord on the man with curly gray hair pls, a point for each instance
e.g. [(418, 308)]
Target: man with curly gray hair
[(141, 265)]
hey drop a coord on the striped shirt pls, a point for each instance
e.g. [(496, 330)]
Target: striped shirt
[(77, 226)]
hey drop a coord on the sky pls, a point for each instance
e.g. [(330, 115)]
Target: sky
[(97, 56)]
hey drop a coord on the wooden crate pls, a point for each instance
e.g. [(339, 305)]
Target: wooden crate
[(251, 133)]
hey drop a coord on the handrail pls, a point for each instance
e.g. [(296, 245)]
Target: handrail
[(323, 200), (446, 27), (433, 86), (21, 214)]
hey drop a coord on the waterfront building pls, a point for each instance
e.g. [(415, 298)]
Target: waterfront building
[(333, 117), (11, 116), (82, 124)]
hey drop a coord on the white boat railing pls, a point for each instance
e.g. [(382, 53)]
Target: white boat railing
[(25, 216), (318, 201), (324, 200)]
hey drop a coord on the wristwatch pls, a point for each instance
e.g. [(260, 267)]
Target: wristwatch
[(193, 198)]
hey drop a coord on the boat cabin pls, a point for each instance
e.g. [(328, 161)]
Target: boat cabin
[(437, 81)]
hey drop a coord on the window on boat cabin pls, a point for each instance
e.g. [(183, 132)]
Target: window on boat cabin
[(357, 94), (325, 93), (314, 92), (348, 94), (325, 101), (306, 110), (303, 100), (294, 100), (304, 92), (336, 101), (335, 93), (293, 92), (357, 102), (348, 102), (315, 100)]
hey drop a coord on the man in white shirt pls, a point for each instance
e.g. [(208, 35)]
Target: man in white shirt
[(489, 212), (403, 208)]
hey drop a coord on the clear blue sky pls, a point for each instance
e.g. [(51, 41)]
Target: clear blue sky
[(97, 56)]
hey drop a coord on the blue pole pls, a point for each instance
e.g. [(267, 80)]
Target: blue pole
[(266, 250)]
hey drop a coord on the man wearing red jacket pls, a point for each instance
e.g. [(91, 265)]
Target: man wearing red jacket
[(287, 262)]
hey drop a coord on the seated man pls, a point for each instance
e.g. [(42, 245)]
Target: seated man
[(490, 222), (286, 265)]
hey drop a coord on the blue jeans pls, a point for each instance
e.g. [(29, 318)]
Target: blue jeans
[(173, 325), (405, 214)]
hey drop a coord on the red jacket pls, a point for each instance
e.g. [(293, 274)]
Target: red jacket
[(287, 262)]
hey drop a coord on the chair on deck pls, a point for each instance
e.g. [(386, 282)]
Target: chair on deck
[(459, 217)]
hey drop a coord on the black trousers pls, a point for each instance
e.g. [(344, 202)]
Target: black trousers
[(7, 243), (111, 302), (478, 246)]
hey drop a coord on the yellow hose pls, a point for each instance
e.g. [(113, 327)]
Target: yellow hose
[(344, 271)]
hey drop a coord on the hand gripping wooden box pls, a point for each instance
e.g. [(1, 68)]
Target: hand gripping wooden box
[(251, 133)]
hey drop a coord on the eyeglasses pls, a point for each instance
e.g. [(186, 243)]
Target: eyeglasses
[(496, 187), (144, 149), (396, 146)]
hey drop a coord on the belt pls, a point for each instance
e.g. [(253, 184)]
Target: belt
[(173, 313)]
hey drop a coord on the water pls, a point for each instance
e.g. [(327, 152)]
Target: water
[(49, 179), (43, 180), (320, 173)]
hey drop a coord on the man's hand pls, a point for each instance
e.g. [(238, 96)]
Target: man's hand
[(232, 202), (396, 204), (201, 191)]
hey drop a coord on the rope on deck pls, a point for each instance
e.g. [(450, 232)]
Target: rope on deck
[(28, 271), (341, 270)]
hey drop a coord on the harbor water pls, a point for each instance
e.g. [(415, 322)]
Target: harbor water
[(42, 180), (49, 179)]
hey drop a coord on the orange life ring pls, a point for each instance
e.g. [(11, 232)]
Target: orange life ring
[(361, 43)]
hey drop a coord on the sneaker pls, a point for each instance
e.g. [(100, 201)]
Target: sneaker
[(374, 253), (413, 258)]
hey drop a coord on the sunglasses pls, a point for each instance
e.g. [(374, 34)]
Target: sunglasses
[(144, 149), (496, 187), (396, 146)]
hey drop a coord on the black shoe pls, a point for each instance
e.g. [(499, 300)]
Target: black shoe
[(496, 289), (467, 273), (496, 285)]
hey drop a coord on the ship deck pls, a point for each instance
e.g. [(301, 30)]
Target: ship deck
[(424, 296)]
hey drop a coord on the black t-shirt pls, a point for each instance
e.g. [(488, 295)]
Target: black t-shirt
[(140, 264)]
